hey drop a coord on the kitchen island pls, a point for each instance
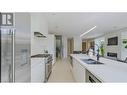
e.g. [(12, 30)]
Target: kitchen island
[(110, 71)]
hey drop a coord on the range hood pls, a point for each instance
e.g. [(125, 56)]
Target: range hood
[(38, 34)]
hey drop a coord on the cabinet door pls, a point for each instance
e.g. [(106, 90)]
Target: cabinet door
[(78, 71), (37, 70), (74, 69)]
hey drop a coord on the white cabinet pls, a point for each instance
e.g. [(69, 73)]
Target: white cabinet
[(37, 70), (78, 71)]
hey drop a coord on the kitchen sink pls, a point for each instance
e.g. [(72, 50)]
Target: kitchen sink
[(91, 61)]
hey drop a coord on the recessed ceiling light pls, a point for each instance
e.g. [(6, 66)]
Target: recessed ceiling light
[(87, 31)]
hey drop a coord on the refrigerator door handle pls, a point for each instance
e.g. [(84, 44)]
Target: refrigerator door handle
[(13, 55), (9, 72)]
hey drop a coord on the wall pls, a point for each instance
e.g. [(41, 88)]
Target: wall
[(123, 49), (39, 24), (113, 48), (22, 42), (64, 41), (38, 45), (49, 44), (77, 44)]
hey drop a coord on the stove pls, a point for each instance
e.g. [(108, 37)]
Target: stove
[(41, 55)]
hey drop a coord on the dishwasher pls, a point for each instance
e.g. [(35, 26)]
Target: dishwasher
[(90, 78)]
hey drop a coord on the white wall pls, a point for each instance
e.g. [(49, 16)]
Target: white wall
[(39, 24), (123, 49), (64, 39), (77, 44), (38, 45), (50, 46)]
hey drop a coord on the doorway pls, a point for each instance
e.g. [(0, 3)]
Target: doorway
[(59, 47), (70, 46), (83, 46)]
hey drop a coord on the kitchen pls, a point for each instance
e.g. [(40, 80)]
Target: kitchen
[(92, 47)]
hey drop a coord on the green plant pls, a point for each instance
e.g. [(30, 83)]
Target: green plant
[(126, 46), (125, 43), (102, 50)]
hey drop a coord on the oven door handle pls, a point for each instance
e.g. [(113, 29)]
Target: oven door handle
[(91, 80)]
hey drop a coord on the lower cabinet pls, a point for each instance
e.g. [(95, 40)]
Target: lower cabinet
[(79, 71), (37, 70)]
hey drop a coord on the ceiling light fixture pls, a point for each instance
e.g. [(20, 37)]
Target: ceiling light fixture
[(87, 31)]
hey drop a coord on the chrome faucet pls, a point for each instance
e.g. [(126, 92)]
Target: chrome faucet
[(98, 56)]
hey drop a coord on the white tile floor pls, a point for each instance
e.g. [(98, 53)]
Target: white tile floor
[(61, 72)]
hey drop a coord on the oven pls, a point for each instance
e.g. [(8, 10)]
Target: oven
[(48, 67)]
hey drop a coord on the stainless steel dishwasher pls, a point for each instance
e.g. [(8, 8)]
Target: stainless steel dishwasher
[(90, 78)]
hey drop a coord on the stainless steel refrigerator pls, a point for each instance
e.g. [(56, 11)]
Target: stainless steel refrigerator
[(15, 49)]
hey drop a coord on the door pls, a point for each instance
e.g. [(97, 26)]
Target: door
[(70, 46), (22, 47), (83, 46), (15, 50), (6, 54)]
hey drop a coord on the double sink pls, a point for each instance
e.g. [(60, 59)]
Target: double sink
[(91, 61)]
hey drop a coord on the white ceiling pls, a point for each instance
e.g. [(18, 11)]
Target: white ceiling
[(74, 24)]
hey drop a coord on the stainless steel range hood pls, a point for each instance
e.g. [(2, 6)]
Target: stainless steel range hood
[(38, 34)]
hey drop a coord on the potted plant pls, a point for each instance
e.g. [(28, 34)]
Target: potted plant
[(102, 49)]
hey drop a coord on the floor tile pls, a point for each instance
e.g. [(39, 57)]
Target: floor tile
[(61, 72)]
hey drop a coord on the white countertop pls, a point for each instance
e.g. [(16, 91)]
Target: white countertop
[(110, 71)]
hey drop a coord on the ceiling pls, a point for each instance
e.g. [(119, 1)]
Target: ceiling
[(74, 24)]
